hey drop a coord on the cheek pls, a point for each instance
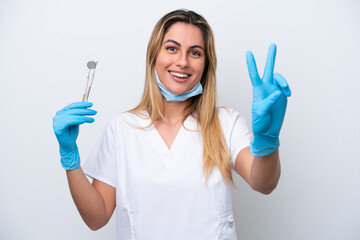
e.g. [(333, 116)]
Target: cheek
[(200, 68), (162, 61)]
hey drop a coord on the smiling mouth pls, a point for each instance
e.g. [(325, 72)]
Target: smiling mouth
[(180, 75)]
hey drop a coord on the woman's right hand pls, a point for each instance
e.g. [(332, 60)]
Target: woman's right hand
[(66, 128)]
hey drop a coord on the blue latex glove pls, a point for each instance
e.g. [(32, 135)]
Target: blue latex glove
[(269, 104), (66, 127)]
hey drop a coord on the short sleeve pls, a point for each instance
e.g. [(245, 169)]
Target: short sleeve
[(101, 164), (236, 132)]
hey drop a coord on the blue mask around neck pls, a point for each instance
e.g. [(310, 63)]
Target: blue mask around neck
[(172, 97)]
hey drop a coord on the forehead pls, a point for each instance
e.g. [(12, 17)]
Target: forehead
[(185, 33)]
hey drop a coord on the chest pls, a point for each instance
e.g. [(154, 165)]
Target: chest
[(149, 170), (167, 185), (149, 161)]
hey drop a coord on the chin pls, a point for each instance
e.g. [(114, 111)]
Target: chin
[(178, 90)]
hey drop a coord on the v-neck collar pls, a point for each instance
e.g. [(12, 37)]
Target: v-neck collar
[(163, 143), (190, 124)]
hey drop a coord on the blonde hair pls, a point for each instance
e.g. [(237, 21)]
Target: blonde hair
[(203, 106)]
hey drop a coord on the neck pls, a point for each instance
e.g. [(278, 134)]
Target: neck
[(174, 111)]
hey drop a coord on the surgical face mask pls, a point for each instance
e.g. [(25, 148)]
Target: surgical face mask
[(172, 97)]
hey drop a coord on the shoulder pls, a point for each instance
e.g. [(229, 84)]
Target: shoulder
[(230, 117), (227, 114)]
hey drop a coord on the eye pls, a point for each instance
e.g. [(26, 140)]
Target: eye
[(195, 53), (171, 49)]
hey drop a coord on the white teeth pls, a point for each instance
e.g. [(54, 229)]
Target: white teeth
[(182, 75)]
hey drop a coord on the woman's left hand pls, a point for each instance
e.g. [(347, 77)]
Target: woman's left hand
[(269, 104)]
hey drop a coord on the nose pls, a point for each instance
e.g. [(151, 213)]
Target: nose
[(182, 60)]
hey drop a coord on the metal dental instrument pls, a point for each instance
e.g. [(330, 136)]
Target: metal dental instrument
[(89, 81)]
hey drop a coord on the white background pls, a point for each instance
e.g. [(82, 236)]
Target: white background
[(44, 48)]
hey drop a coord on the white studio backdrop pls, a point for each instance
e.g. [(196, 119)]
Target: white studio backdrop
[(44, 48)]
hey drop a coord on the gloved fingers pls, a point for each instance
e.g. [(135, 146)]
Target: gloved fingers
[(282, 83), (62, 123), (80, 111), (266, 104), (252, 69), (77, 120), (270, 62), (78, 105)]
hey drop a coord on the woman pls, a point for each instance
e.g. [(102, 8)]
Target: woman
[(166, 164)]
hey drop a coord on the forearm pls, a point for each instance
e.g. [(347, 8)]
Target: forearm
[(265, 172), (87, 199)]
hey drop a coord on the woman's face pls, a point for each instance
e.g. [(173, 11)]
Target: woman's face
[(181, 60)]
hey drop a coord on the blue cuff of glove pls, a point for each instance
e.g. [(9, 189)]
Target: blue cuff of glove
[(70, 160), (262, 146)]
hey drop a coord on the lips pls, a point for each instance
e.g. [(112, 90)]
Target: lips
[(180, 75)]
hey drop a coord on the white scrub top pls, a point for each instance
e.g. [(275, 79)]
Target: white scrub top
[(160, 192)]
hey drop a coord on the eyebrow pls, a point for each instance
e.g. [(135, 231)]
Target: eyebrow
[(175, 42)]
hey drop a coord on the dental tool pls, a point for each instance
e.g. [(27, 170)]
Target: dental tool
[(89, 81)]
